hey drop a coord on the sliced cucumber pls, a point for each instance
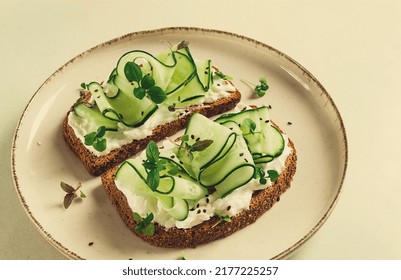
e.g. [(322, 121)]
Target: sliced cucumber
[(265, 141), (131, 175), (132, 111), (101, 101), (233, 170), (184, 71), (160, 72), (180, 209), (93, 115), (201, 128)]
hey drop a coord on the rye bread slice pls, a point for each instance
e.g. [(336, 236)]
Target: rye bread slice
[(97, 165), (208, 231)]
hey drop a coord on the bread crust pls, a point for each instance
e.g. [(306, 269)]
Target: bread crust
[(211, 230), (96, 165)]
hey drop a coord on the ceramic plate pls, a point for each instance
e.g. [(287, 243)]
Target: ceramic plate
[(41, 158)]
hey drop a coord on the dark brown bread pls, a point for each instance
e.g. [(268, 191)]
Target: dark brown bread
[(209, 230), (96, 165)]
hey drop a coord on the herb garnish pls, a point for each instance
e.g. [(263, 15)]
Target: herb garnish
[(146, 83), (261, 174), (248, 126), (144, 225), (71, 193), (222, 219), (186, 150), (95, 139), (153, 165), (261, 88), (222, 76)]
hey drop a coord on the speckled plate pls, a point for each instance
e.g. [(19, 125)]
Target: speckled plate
[(41, 159)]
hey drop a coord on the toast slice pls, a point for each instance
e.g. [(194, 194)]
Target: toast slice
[(140, 89), (214, 228), (98, 164)]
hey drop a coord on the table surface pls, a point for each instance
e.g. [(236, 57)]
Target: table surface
[(351, 47)]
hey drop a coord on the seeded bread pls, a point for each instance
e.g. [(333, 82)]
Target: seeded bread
[(97, 165), (212, 229)]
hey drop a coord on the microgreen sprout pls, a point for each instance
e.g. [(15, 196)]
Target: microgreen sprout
[(248, 126), (146, 83), (153, 165), (186, 149), (144, 225), (96, 139), (222, 219), (71, 193), (260, 174), (222, 76), (261, 88)]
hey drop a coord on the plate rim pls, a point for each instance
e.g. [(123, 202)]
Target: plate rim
[(284, 254)]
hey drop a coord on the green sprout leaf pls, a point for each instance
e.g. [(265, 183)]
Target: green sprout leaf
[(147, 82), (153, 165), (139, 93), (261, 88), (100, 145), (185, 150), (95, 139), (262, 176), (71, 193), (200, 145), (145, 225), (156, 94), (222, 76), (101, 131), (153, 179), (273, 175), (90, 138), (248, 126), (152, 152), (133, 72)]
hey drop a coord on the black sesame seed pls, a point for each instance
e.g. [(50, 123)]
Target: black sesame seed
[(278, 199), (197, 206), (266, 121), (245, 159), (289, 123), (96, 90), (192, 136), (197, 139), (90, 243), (199, 211), (204, 210), (228, 207), (172, 156), (207, 200), (142, 113), (241, 154)]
